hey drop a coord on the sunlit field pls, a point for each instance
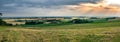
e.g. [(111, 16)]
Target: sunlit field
[(89, 32)]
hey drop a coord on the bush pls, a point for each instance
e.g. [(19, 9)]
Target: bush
[(2, 22), (80, 21), (54, 21), (33, 22)]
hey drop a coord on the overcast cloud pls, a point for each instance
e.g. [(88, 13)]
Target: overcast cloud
[(40, 7)]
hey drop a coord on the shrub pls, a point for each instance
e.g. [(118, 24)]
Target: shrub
[(33, 22), (2, 22), (80, 21), (54, 21)]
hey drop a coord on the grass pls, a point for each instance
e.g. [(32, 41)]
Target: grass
[(89, 32)]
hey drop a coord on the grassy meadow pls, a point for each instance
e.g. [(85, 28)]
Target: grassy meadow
[(89, 32)]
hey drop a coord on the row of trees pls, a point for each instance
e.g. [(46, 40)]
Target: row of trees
[(77, 21), (32, 22), (47, 21), (74, 21)]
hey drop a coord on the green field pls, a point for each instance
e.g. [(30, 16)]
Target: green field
[(89, 32)]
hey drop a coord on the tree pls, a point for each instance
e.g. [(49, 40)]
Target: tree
[(80, 21), (0, 14), (33, 22), (0, 17), (1, 21)]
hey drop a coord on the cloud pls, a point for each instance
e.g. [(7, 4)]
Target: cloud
[(96, 9), (36, 11), (10, 5), (46, 3), (42, 7)]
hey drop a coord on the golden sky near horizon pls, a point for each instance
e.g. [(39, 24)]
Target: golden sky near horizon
[(103, 7)]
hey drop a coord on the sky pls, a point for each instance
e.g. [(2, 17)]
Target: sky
[(18, 8)]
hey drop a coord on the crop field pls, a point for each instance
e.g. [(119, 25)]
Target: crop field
[(89, 32)]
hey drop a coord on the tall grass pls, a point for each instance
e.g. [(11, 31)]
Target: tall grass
[(61, 35), (90, 32)]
